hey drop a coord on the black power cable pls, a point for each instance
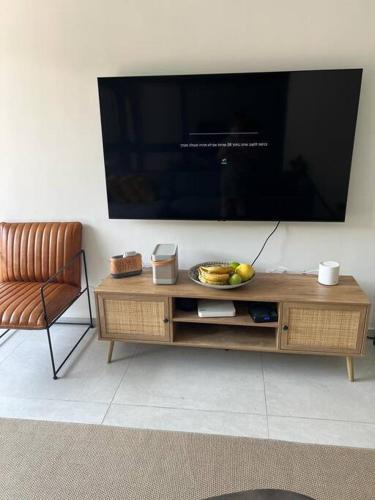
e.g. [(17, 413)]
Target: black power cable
[(265, 243)]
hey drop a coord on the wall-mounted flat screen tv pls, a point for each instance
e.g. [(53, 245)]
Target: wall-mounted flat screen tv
[(246, 146)]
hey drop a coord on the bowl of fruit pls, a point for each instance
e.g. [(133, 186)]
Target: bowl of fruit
[(222, 275)]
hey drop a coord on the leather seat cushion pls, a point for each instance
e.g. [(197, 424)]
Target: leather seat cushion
[(21, 305)]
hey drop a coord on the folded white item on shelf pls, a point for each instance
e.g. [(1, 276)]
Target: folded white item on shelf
[(215, 308)]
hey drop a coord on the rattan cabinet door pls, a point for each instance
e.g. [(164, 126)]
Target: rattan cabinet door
[(134, 318), (322, 327)]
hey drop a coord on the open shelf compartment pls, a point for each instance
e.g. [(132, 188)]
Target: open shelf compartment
[(220, 336), (242, 317)]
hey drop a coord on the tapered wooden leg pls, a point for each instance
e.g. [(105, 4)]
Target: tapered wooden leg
[(350, 369), (110, 351)]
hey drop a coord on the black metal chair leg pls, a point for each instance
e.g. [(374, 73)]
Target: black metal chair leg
[(51, 354), (54, 369), (49, 324), (87, 288), (4, 333)]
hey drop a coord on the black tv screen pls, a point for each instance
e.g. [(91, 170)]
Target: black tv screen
[(247, 146)]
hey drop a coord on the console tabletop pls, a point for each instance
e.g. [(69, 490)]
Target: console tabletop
[(267, 287)]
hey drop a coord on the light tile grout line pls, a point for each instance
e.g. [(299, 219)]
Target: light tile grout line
[(245, 413), (133, 404), (265, 395), (184, 408), (191, 409), (62, 400), (321, 419), (118, 386)]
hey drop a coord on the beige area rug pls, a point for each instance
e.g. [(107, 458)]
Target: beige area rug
[(48, 460)]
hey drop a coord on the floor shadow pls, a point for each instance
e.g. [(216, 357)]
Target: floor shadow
[(124, 356)]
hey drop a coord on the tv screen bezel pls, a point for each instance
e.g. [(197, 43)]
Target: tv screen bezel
[(231, 74)]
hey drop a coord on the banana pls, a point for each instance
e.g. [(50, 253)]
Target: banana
[(217, 278), (214, 277), (217, 269), (204, 280), (201, 278)]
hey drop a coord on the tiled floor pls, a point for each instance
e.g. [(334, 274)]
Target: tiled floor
[(297, 398)]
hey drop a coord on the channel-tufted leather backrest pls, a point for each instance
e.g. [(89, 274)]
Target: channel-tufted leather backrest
[(35, 251)]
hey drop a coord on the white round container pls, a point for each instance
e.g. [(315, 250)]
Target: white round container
[(329, 272)]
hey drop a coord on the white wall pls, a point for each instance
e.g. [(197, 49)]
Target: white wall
[(51, 161)]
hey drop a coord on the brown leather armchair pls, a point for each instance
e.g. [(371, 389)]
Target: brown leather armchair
[(40, 276)]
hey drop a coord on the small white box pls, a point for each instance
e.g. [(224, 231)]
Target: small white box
[(216, 308)]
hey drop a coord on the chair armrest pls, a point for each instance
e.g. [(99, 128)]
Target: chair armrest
[(71, 261), (52, 278)]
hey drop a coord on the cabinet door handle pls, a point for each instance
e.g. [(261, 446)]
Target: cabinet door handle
[(285, 328), (165, 320)]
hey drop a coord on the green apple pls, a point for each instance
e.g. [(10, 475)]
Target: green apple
[(235, 279)]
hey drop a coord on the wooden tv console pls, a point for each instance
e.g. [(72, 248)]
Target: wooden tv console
[(313, 318)]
